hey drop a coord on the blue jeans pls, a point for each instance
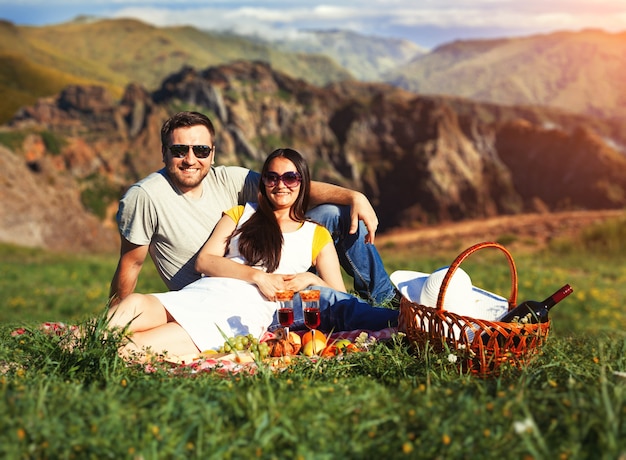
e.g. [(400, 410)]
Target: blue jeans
[(361, 261), (342, 312)]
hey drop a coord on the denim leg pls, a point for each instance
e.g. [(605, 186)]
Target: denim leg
[(342, 312), (360, 260)]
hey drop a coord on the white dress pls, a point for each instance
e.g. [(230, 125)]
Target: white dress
[(234, 307)]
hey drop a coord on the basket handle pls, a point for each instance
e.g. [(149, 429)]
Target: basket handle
[(464, 255)]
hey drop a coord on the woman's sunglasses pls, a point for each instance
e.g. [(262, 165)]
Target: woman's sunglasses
[(290, 179), (200, 151)]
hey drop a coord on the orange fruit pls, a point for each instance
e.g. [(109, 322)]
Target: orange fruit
[(331, 350), (318, 336)]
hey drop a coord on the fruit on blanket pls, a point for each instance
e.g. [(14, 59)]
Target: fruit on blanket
[(245, 343), (318, 336), (342, 344), (263, 350), (330, 350), (314, 347), (339, 347), (295, 338), (283, 344)]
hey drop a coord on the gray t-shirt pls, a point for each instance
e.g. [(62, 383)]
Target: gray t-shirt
[(175, 226)]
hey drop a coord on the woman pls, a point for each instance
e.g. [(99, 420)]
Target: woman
[(253, 252)]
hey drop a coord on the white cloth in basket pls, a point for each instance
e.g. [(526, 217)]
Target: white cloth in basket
[(461, 297)]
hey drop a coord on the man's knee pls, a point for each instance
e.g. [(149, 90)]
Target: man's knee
[(328, 215)]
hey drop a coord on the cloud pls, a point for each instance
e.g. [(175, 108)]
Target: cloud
[(364, 15), (427, 19), (497, 14)]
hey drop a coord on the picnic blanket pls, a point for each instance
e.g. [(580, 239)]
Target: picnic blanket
[(230, 363)]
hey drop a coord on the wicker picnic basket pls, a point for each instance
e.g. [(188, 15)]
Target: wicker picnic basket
[(482, 346)]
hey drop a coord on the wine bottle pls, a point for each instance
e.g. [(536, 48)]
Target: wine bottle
[(531, 312)]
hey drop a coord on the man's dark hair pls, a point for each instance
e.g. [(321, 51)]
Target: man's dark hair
[(184, 120)]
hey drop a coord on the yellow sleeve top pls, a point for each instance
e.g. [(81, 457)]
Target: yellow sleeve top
[(321, 237)]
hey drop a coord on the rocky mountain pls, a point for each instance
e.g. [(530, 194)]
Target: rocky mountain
[(41, 204), (581, 72), (420, 159)]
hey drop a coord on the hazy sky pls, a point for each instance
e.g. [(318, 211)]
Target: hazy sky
[(425, 22)]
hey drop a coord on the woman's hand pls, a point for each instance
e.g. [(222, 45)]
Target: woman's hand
[(301, 281), (269, 283)]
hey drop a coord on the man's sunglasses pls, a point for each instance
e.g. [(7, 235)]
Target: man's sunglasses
[(200, 151), (290, 179)]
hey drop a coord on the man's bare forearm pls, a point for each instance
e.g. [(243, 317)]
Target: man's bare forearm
[(126, 274), (123, 284), (322, 192)]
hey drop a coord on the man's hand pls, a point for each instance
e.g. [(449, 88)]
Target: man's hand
[(361, 209)]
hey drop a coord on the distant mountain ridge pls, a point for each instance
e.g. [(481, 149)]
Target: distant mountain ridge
[(582, 72), (367, 58)]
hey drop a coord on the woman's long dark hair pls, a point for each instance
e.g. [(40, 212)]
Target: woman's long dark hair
[(261, 240)]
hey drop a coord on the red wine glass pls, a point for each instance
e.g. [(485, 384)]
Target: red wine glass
[(311, 308), (285, 309)]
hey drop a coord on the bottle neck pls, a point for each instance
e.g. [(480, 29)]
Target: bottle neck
[(558, 296)]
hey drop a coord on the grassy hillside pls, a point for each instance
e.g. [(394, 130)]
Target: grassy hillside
[(576, 71), (117, 52), (22, 82)]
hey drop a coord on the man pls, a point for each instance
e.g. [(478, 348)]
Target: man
[(171, 213)]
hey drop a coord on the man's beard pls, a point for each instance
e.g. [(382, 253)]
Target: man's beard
[(184, 181)]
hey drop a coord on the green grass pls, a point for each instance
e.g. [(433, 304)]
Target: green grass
[(389, 402), (39, 286)]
